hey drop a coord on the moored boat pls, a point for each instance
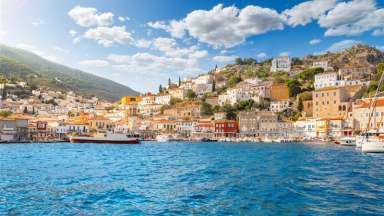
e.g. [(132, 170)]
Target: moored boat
[(110, 138), (164, 138), (346, 141)]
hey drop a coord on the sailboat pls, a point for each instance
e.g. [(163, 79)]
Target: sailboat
[(372, 140)]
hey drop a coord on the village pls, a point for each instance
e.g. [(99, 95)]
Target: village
[(308, 99)]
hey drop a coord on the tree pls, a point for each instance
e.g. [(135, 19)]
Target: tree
[(179, 81), (244, 105), (294, 87), (5, 113), (233, 80), (160, 89), (25, 110), (206, 108), (214, 85), (300, 105), (297, 61), (229, 110), (169, 82), (191, 94), (309, 73), (175, 101), (262, 72), (238, 61)]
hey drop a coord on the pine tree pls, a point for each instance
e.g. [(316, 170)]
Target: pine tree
[(169, 81), (179, 81), (160, 88)]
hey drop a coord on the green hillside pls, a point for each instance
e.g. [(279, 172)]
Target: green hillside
[(23, 65)]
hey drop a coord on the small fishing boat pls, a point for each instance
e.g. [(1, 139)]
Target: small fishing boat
[(346, 141)]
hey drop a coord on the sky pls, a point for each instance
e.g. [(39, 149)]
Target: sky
[(142, 43)]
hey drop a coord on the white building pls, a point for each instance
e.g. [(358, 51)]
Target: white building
[(305, 128), (321, 64), (332, 79), (163, 99), (223, 99), (203, 79), (201, 89), (237, 94), (279, 105), (148, 100), (323, 80), (282, 63)]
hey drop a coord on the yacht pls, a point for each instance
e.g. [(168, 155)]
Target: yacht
[(373, 142), (108, 138)]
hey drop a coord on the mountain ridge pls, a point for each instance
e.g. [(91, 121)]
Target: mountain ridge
[(22, 64)]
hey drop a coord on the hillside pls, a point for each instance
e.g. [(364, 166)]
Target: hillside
[(22, 65)]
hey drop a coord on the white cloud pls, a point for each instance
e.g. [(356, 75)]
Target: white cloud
[(142, 43), (122, 19), (88, 17), (261, 56), (147, 63), (305, 12), (224, 59), (38, 22), (175, 28), (72, 33), (353, 18), (95, 63), (224, 26), (36, 51), (314, 41), (169, 47), (2, 33), (341, 45), (107, 36)]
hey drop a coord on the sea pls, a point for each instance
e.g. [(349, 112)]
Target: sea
[(189, 178)]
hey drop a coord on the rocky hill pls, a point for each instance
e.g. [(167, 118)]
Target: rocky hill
[(22, 65)]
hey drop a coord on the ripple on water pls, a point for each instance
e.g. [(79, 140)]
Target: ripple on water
[(189, 179)]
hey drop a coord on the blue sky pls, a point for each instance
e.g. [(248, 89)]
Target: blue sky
[(141, 43)]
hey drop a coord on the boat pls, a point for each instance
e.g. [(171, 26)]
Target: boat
[(110, 138), (205, 139), (373, 142), (346, 141), (163, 138)]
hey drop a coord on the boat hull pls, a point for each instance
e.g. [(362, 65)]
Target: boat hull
[(372, 147), (85, 140)]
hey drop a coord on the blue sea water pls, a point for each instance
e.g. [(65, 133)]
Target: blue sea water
[(189, 179)]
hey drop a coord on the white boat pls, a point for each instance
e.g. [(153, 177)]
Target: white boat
[(373, 142), (163, 138), (110, 138), (359, 141), (347, 141)]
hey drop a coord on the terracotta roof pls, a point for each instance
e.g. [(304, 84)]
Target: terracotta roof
[(366, 103)]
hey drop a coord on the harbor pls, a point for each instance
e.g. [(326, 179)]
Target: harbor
[(184, 178)]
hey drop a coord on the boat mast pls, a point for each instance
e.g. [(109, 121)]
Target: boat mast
[(372, 104)]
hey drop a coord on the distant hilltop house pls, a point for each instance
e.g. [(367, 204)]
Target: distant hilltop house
[(281, 63)]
